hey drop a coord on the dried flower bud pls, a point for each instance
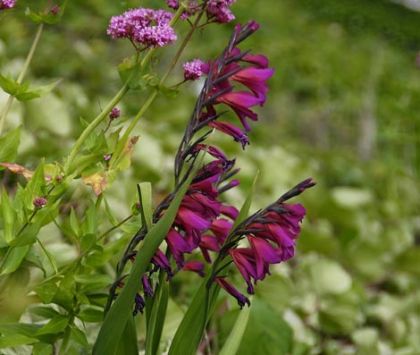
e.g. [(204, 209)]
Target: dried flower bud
[(40, 202), (115, 113)]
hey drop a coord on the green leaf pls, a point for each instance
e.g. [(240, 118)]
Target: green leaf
[(42, 349), (46, 17), (9, 217), (157, 317), (87, 241), (46, 291), (13, 259), (233, 342), (244, 212), (34, 187), (78, 336), (54, 326), (266, 331), (131, 70), (91, 314), (128, 344), (146, 203), (9, 144), (28, 235), (16, 340), (117, 317), (188, 336)]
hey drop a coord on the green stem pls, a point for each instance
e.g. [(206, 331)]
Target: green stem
[(103, 235), (47, 254), (91, 127), (22, 74)]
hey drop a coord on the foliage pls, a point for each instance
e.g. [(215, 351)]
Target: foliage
[(353, 287)]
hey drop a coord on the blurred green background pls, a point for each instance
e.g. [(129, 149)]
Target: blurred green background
[(343, 108)]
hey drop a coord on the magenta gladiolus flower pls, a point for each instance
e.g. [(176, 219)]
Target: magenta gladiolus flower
[(194, 266), (148, 27), (232, 131), (242, 300), (271, 235), (7, 4)]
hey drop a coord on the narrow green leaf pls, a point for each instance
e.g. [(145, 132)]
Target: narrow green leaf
[(128, 343), (244, 212), (117, 317), (233, 342), (9, 144), (74, 223), (13, 259), (189, 333), (157, 317), (146, 203), (9, 217)]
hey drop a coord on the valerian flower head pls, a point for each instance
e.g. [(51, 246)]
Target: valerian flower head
[(148, 27), (7, 4), (220, 10), (55, 9), (191, 7), (195, 69)]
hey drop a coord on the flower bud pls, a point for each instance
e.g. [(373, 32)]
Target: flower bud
[(40, 202)]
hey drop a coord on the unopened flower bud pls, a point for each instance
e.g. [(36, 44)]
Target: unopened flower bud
[(55, 10), (40, 202), (115, 113)]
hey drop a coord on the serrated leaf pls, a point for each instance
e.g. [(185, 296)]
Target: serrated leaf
[(9, 144), (117, 317)]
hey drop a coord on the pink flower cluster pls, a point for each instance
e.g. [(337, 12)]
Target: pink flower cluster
[(7, 4), (195, 69), (217, 10), (150, 28), (220, 10)]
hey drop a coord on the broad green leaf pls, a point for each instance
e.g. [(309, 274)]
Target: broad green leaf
[(34, 93), (9, 85), (34, 187), (91, 314), (54, 326), (27, 236), (13, 259), (157, 317), (18, 328), (9, 217), (42, 349), (9, 144), (78, 336), (117, 317), (12, 340), (47, 290), (233, 342), (146, 203)]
